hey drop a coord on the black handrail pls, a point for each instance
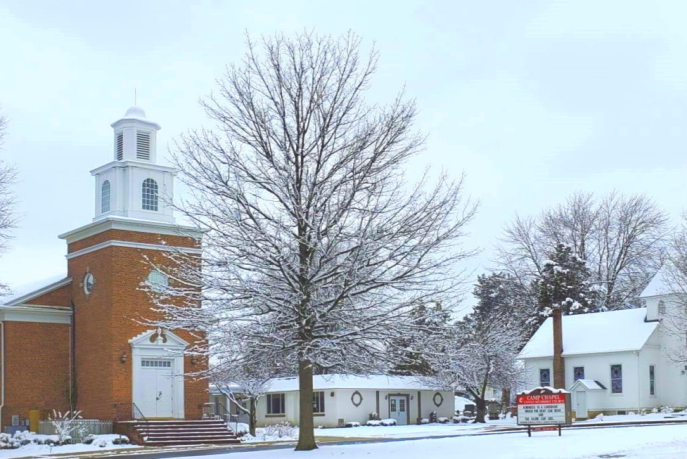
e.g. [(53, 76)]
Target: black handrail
[(135, 409)]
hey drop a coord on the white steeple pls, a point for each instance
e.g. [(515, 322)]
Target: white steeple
[(133, 185)]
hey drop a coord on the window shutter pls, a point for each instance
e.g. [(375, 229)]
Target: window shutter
[(120, 146), (143, 145)]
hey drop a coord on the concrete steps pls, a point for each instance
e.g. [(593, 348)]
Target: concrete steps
[(175, 433)]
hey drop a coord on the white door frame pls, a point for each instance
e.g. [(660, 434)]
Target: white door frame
[(155, 344)]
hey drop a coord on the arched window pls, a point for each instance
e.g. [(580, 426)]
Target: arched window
[(105, 197), (149, 195), (158, 281)]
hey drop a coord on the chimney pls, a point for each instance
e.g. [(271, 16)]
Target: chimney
[(558, 363)]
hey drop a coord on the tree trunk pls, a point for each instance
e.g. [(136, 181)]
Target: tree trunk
[(306, 426), (252, 418), (505, 399), (481, 406)]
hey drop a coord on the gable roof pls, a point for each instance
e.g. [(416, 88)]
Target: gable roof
[(595, 333), (326, 382), (27, 292), (588, 384), (658, 286)]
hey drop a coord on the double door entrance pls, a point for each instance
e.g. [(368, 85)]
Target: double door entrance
[(155, 390), (398, 408)]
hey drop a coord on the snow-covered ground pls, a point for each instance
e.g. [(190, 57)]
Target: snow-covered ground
[(409, 431), (100, 443), (653, 442)]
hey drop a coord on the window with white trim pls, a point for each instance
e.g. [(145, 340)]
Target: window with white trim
[(155, 363), (652, 380), (275, 404), (616, 379), (105, 197), (318, 402), (149, 195), (662, 307), (158, 281), (544, 377), (578, 373)]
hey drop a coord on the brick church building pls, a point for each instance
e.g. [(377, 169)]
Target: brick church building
[(77, 341)]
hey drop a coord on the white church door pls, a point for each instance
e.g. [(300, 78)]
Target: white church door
[(157, 388), (158, 374), (581, 404), (398, 409)]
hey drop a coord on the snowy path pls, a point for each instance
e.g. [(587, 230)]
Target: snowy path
[(660, 442)]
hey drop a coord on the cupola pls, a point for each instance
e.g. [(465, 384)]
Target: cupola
[(135, 137), (133, 185)]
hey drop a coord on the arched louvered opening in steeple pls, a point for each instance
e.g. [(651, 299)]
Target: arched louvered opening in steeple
[(149, 195), (105, 197)]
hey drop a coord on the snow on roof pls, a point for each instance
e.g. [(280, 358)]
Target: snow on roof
[(659, 285), (326, 382), (589, 384), (460, 402), (594, 333), (25, 291)]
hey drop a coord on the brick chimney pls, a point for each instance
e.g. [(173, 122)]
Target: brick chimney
[(558, 363)]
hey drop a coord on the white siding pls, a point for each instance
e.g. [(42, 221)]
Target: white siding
[(340, 406)]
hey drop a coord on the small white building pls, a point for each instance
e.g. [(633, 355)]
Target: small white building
[(339, 399), (616, 361)]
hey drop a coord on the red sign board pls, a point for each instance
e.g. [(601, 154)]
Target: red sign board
[(543, 399), (543, 406)]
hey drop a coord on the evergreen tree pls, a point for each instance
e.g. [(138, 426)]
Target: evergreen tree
[(501, 297), (564, 283), (405, 353)]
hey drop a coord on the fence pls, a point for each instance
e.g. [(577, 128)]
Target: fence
[(84, 428)]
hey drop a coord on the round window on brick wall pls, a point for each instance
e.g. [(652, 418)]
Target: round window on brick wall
[(158, 281)]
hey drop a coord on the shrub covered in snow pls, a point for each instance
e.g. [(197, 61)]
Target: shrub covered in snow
[(424, 421), (388, 422), (281, 430), (374, 416), (102, 441), (373, 423), (64, 424), (433, 417), (351, 424)]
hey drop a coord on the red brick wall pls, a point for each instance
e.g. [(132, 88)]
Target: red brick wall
[(36, 368), (58, 297), (112, 315)]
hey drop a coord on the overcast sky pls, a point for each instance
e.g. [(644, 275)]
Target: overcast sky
[(531, 99)]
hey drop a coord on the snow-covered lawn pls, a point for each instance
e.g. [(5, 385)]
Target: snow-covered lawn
[(652, 442), (100, 443), (651, 417), (409, 431)]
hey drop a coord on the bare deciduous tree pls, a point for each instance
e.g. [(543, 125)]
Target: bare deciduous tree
[(7, 201), (316, 248), (249, 379), (477, 355), (621, 238)]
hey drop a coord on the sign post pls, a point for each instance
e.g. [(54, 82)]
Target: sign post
[(544, 406)]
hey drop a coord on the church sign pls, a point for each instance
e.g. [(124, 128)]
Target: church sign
[(544, 406)]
